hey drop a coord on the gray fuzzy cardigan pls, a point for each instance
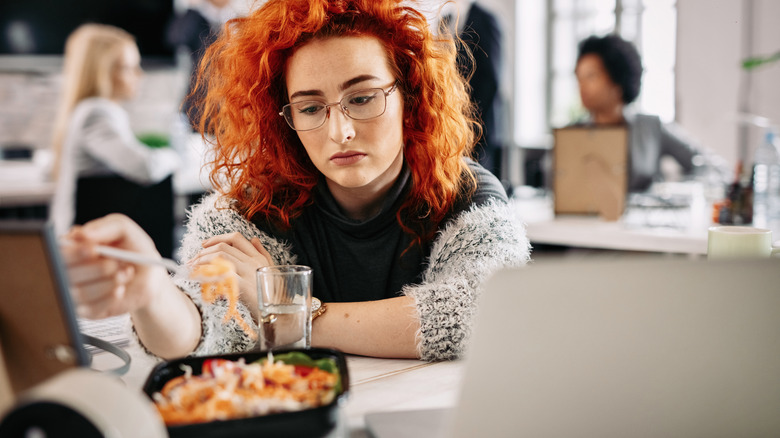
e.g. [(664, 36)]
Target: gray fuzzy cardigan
[(467, 250)]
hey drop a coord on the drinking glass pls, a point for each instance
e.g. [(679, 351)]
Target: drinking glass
[(284, 298)]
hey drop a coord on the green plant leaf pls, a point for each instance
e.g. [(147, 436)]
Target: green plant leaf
[(757, 61), (154, 140)]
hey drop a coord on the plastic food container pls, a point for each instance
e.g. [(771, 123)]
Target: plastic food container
[(314, 422)]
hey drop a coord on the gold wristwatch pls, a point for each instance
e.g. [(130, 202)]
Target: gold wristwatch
[(317, 308)]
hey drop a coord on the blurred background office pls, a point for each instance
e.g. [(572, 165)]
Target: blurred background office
[(692, 52), (609, 78), (481, 60), (190, 33), (99, 164), (32, 83)]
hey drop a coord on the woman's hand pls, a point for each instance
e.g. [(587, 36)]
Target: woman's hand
[(247, 256), (165, 319), (102, 286)]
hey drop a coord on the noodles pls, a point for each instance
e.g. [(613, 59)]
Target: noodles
[(218, 278)]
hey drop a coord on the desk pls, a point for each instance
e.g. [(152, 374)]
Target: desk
[(376, 385), (24, 184), (379, 385), (631, 233), (27, 183)]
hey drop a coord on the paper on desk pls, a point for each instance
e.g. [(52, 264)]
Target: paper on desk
[(115, 330)]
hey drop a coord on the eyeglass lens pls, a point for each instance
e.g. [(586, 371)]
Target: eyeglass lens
[(360, 105)]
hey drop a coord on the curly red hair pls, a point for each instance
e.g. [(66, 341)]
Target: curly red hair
[(260, 162)]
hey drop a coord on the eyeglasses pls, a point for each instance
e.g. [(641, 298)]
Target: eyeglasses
[(360, 105)]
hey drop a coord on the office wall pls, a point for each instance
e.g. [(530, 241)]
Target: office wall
[(764, 96), (712, 89)]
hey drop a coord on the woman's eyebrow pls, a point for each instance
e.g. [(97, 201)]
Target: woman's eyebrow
[(303, 93), (342, 87), (356, 80)]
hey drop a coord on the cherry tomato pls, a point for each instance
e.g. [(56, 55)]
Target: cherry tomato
[(210, 366), (303, 370)]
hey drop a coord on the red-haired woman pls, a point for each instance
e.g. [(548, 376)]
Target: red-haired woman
[(341, 132)]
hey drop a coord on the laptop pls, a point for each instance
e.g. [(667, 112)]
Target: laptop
[(605, 348)]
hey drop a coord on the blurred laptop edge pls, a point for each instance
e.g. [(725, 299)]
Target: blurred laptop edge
[(644, 347)]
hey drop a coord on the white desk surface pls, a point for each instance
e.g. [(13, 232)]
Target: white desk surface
[(26, 183), (627, 234), (376, 385), (23, 183)]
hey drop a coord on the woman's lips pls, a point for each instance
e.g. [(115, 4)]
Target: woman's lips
[(346, 158)]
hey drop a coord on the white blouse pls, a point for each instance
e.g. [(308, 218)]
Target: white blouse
[(100, 142)]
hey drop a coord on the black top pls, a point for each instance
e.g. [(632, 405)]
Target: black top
[(365, 260)]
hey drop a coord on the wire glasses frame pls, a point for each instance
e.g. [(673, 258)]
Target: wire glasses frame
[(366, 104)]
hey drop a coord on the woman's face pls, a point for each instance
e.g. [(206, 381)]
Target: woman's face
[(127, 73), (597, 91), (359, 157)]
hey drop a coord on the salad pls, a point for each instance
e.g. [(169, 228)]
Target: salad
[(227, 389)]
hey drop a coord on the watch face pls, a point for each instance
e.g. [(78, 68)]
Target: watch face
[(315, 304)]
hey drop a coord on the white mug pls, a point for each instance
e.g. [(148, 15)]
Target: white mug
[(731, 241)]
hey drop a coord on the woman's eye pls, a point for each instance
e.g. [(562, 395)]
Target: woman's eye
[(310, 109), (362, 99)]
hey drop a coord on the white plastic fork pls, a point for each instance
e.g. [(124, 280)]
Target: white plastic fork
[(134, 257)]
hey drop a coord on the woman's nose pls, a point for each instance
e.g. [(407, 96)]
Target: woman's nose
[(341, 128)]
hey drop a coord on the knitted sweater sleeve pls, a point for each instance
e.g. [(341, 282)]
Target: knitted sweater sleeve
[(470, 248), (214, 216)]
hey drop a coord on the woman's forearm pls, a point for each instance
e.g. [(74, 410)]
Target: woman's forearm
[(170, 325), (384, 328)]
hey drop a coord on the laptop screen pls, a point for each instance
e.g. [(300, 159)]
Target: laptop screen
[(637, 347), (39, 334)]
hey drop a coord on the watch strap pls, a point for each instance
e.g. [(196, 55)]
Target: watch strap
[(318, 308)]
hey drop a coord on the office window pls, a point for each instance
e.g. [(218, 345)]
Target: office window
[(649, 24)]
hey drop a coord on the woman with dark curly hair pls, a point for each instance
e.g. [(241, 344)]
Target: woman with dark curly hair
[(609, 73), (341, 136)]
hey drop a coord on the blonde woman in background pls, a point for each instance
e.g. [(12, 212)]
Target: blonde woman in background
[(101, 167)]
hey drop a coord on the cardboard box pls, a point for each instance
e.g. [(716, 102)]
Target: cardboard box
[(590, 170)]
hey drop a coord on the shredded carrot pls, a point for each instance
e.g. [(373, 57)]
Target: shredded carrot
[(218, 278)]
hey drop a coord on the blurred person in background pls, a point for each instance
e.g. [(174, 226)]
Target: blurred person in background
[(100, 165), (480, 60), (609, 74), (193, 31)]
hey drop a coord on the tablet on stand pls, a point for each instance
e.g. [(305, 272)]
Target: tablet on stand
[(39, 335)]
